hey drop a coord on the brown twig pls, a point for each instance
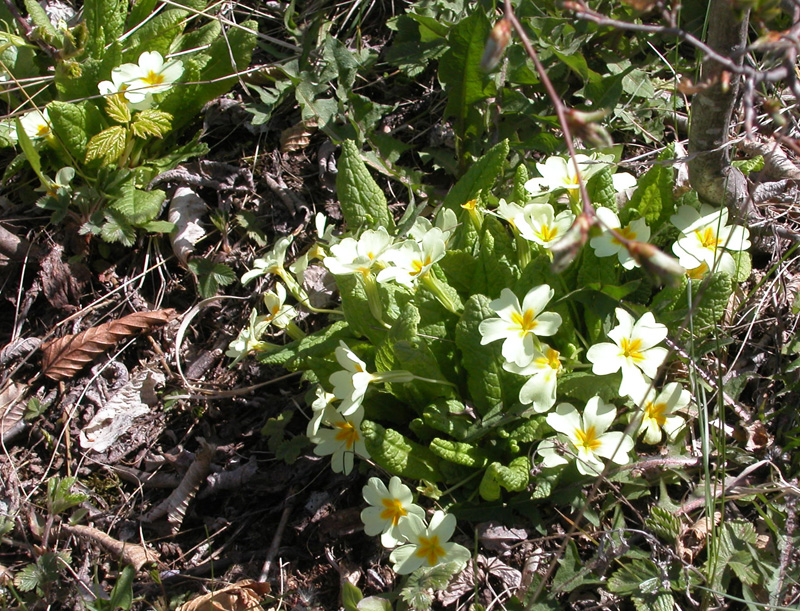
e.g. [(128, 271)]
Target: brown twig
[(276, 539)]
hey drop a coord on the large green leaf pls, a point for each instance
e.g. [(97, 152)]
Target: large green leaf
[(496, 266), (72, 123), (481, 176), (653, 196), (363, 203), (157, 34), (460, 70), (398, 454), (105, 20)]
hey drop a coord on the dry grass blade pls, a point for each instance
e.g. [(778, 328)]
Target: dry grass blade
[(175, 505), (11, 406), (241, 596), (66, 356), (129, 553)]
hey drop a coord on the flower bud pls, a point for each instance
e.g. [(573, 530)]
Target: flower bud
[(496, 45)]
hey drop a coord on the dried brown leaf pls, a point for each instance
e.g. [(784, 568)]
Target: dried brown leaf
[(66, 356), (176, 504), (298, 136), (129, 553), (62, 282), (12, 406), (185, 211), (242, 596)]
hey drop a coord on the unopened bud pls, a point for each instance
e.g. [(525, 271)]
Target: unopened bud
[(655, 261), (567, 248), (496, 45), (584, 125)]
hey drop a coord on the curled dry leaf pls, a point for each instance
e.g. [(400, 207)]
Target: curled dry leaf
[(115, 418), (66, 356), (298, 136), (175, 505), (693, 538), (12, 407), (185, 211), (241, 596), (129, 553), (62, 283)]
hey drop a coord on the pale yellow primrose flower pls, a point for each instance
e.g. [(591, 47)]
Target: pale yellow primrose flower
[(278, 313), (519, 326), (150, 76), (634, 352), (342, 441), (559, 173), (350, 385), (36, 123), (413, 259), (659, 412), (541, 225), (118, 84), (606, 245), (586, 437), (387, 507), (321, 410), (427, 545), (249, 339), (540, 388), (351, 256), (270, 263), (706, 239)]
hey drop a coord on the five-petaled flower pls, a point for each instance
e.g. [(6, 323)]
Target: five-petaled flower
[(541, 225), (559, 173), (340, 437), (150, 76), (659, 412), (387, 507), (519, 326), (351, 256), (36, 123), (427, 545), (413, 259), (249, 339), (540, 388), (706, 239), (634, 351), (607, 245), (586, 437)]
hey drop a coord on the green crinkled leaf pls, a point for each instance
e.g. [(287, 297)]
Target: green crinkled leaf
[(460, 453), (490, 386), (363, 203), (597, 271), (92, 71), (210, 276), (403, 329), (108, 145), (416, 357), (139, 11), (601, 189), (116, 228), (520, 194), (496, 266), (465, 83), (138, 206), (709, 298), (580, 386), (73, 122), (39, 17), (514, 478), (664, 523), (635, 578), (151, 122), (571, 574), (312, 350), (399, 455), (30, 153), (653, 196), (458, 267), (356, 306), (446, 415), (156, 35), (105, 21), (530, 430), (481, 176), (200, 37)]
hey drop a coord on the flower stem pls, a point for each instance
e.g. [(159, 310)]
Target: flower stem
[(437, 288), (294, 331), (374, 298)]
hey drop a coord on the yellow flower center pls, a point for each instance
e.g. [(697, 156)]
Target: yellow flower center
[(470, 205), (708, 238), (154, 78), (656, 412), (548, 233), (698, 272), (42, 130), (552, 359), (417, 266), (587, 439), (631, 349), (626, 232), (430, 549), (346, 432), (394, 510), (526, 321)]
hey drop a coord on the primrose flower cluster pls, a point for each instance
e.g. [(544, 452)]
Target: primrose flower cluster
[(401, 525), (457, 348)]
